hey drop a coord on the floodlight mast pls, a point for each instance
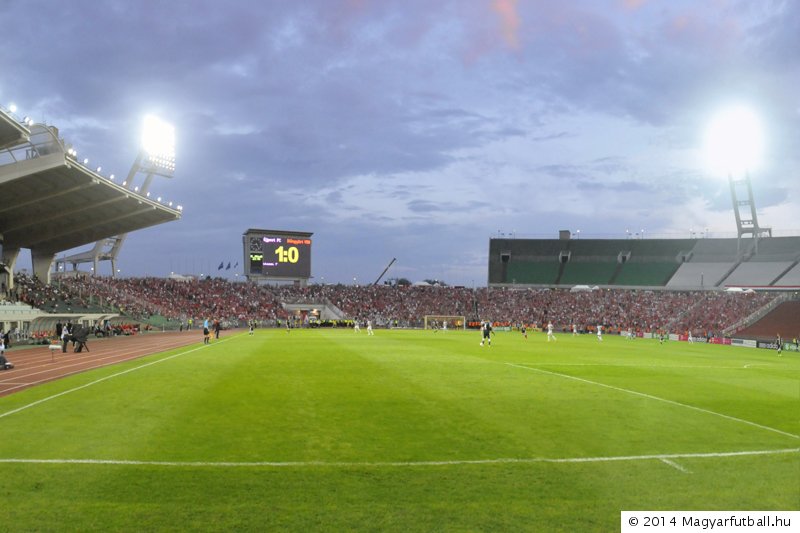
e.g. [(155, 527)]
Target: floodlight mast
[(156, 158), (734, 143), (746, 226)]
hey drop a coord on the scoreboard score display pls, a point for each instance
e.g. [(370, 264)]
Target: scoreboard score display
[(278, 254)]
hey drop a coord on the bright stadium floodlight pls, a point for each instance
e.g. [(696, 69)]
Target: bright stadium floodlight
[(734, 146), (734, 141), (158, 142)]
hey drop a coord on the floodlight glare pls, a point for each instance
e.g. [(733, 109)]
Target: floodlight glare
[(734, 142), (158, 142), (12, 108)]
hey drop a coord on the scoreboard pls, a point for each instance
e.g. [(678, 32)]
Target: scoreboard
[(277, 254)]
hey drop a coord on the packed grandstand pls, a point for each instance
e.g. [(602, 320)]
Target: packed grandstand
[(160, 302)]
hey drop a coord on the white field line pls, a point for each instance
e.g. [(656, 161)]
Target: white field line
[(674, 465), (612, 365), (106, 378), (651, 397), (387, 464)]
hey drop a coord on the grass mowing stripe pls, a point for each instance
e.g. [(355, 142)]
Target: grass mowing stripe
[(366, 464), (651, 397), (106, 378)]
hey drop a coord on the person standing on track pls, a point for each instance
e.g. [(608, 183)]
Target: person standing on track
[(5, 364), (64, 339)]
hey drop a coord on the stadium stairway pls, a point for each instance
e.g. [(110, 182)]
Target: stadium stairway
[(786, 271), (783, 319)]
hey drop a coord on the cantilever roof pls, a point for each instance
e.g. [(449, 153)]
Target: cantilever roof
[(11, 131), (52, 203)]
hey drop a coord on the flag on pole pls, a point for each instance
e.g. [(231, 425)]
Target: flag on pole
[(229, 266), (222, 264)]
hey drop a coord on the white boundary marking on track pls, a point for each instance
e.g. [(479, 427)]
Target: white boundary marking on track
[(385, 464), (651, 397), (674, 465), (106, 378)]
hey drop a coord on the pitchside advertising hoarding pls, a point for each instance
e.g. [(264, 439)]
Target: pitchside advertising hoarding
[(711, 340), (787, 346)]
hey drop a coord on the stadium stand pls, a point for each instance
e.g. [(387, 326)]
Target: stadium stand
[(617, 309), (698, 275), (715, 251), (524, 261), (783, 319), (756, 273), (60, 204), (791, 278), (674, 264), (533, 272), (12, 132), (645, 274), (577, 272)]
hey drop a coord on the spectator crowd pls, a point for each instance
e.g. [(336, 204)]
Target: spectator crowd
[(701, 312)]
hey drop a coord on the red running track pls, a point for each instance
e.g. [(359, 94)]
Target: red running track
[(33, 366)]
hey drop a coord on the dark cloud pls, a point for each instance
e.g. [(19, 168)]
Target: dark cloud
[(372, 123)]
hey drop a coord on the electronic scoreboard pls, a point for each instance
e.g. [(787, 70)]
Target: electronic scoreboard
[(277, 254)]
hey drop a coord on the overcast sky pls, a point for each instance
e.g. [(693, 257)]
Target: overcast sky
[(410, 128)]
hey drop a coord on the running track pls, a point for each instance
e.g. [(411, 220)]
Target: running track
[(33, 366)]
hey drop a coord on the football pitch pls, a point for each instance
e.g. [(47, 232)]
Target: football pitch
[(330, 430)]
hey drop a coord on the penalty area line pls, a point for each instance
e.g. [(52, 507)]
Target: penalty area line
[(651, 397), (389, 464)]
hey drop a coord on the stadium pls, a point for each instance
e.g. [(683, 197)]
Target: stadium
[(669, 379)]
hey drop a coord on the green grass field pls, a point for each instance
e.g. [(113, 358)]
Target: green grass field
[(328, 430)]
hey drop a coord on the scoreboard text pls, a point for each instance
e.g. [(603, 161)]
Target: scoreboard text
[(279, 256)]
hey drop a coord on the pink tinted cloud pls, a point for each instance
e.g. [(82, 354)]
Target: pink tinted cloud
[(509, 20), (633, 5)]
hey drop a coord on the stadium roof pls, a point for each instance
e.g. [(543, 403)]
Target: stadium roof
[(52, 202), (11, 131)]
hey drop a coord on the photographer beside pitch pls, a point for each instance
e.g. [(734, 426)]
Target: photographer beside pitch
[(5, 364)]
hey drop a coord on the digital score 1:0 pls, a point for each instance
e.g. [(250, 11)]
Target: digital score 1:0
[(280, 256)]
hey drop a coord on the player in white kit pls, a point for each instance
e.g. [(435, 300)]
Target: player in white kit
[(550, 332)]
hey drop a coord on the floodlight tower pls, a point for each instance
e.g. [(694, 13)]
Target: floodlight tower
[(734, 145), (156, 158)]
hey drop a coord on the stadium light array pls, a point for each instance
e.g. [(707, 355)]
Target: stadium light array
[(158, 142), (734, 141)]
